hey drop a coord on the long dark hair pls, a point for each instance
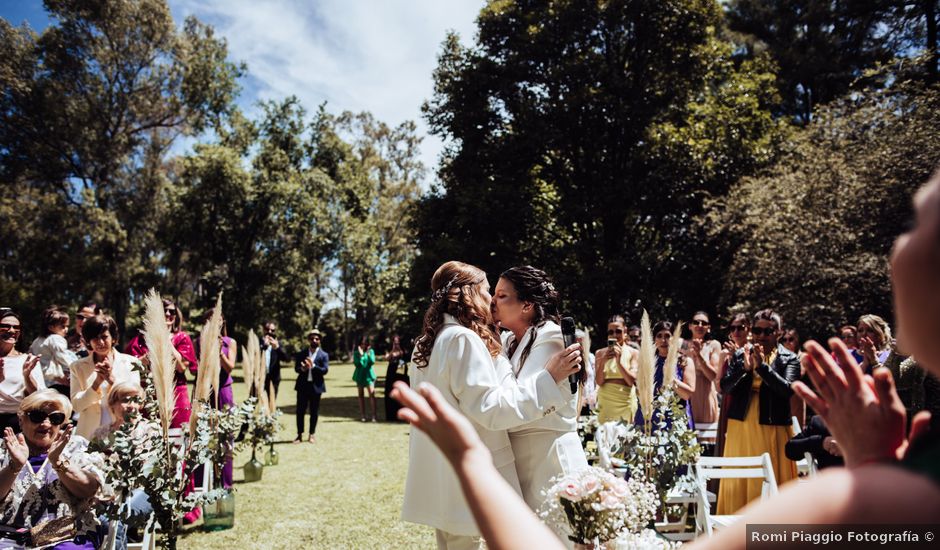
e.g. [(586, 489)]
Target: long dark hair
[(533, 285)]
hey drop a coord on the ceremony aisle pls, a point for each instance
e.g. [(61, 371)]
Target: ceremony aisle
[(344, 491)]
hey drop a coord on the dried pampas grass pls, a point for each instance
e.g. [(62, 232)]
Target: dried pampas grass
[(160, 353), (250, 361), (672, 356), (207, 376), (646, 369)]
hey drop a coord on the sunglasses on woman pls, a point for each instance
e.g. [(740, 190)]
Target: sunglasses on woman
[(617, 331), (6, 327), (766, 331), (55, 418), (171, 312), (699, 323), (738, 328)]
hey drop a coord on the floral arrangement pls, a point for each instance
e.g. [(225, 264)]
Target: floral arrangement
[(262, 428), (593, 504), (661, 456), (228, 424)]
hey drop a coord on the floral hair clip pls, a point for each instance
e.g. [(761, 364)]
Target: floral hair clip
[(441, 292)]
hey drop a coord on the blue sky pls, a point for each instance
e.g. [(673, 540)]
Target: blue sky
[(358, 55)]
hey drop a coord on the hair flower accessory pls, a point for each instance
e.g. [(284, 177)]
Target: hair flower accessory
[(441, 292)]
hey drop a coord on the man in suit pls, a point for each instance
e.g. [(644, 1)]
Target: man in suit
[(273, 354), (311, 365)]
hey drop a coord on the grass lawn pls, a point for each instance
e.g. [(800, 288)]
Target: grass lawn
[(345, 491)]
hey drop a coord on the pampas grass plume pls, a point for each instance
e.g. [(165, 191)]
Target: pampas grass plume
[(646, 368), (160, 353), (672, 356)]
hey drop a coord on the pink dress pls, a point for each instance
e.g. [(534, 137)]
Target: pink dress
[(184, 345)]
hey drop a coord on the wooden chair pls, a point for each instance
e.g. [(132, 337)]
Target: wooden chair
[(747, 467), (807, 465)]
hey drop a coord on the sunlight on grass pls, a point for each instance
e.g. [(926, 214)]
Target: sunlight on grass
[(344, 491)]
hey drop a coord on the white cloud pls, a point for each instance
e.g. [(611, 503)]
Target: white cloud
[(358, 55)]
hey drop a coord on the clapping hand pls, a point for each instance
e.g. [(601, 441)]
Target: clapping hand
[(16, 447), (59, 443), (307, 364), (864, 413), (29, 365), (753, 357)]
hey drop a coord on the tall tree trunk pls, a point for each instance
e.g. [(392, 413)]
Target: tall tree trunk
[(930, 14)]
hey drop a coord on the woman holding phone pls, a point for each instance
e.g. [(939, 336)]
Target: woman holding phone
[(616, 375)]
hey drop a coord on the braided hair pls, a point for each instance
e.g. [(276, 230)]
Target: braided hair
[(455, 289), (533, 285)]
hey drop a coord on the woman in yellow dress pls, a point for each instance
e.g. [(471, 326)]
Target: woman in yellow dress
[(758, 380), (616, 375)]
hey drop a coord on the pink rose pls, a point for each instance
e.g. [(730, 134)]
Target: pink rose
[(609, 500), (590, 485), (620, 488), (572, 491)]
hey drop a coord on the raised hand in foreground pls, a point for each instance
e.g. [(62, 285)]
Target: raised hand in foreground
[(501, 515), (864, 413)]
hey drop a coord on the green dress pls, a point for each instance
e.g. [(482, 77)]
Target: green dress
[(364, 375)]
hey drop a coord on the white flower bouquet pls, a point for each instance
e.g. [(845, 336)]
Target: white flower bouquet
[(594, 505)]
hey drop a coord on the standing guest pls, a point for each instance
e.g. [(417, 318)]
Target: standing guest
[(273, 355), (19, 376), (874, 338), (615, 376), (526, 305), (47, 476), (53, 349), (918, 389), (311, 366), (397, 363), (684, 383), (589, 388), (738, 331), (705, 356), (184, 357), (94, 376), (849, 336), (364, 376), (76, 343), (633, 337), (791, 341), (759, 379)]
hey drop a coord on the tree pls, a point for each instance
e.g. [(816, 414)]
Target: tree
[(583, 138), (88, 111), (811, 235)]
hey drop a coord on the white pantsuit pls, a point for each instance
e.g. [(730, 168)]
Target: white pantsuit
[(461, 367)]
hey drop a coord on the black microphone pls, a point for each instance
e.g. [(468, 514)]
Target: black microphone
[(567, 333)]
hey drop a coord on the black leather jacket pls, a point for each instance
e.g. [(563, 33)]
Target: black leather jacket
[(775, 388)]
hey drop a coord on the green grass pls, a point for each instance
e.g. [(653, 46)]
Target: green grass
[(345, 491)]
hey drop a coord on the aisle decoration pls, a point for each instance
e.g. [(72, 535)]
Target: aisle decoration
[(594, 506), (142, 455), (659, 456), (263, 424)]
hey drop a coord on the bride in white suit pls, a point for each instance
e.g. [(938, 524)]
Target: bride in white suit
[(526, 305), (459, 353)]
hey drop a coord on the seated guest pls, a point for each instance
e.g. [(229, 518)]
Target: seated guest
[(124, 403), (47, 481), (918, 389), (95, 375), (849, 336), (817, 441), (874, 339), (53, 349), (758, 379), (19, 376)]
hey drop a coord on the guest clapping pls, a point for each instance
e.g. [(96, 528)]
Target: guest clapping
[(364, 376), (758, 379), (46, 476), (705, 355), (19, 373), (95, 375), (874, 339)]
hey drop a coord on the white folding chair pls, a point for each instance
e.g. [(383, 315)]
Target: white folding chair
[(807, 465), (706, 434), (147, 543), (746, 467)]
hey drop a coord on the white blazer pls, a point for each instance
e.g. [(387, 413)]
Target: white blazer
[(89, 403), (461, 367), (548, 342)]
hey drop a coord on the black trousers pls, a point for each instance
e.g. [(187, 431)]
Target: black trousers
[(307, 399), (268, 382)]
